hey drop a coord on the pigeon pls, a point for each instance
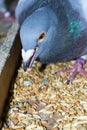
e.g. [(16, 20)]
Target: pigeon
[(54, 31)]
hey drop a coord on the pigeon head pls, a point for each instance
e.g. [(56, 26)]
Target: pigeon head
[(37, 33)]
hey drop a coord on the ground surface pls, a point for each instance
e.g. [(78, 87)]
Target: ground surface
[(43, 101)]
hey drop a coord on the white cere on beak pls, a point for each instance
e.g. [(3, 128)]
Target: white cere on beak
[(27, 55)]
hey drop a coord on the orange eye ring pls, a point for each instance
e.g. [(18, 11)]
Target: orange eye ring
[(41, 37)]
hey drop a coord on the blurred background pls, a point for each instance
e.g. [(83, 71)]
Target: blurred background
[(7, 8)]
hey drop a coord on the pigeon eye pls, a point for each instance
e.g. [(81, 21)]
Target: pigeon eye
[(41, 37)]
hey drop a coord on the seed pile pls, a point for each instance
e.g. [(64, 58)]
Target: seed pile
[(43, 100)]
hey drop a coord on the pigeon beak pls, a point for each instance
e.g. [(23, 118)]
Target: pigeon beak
[(25, 65), (28, 58)]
